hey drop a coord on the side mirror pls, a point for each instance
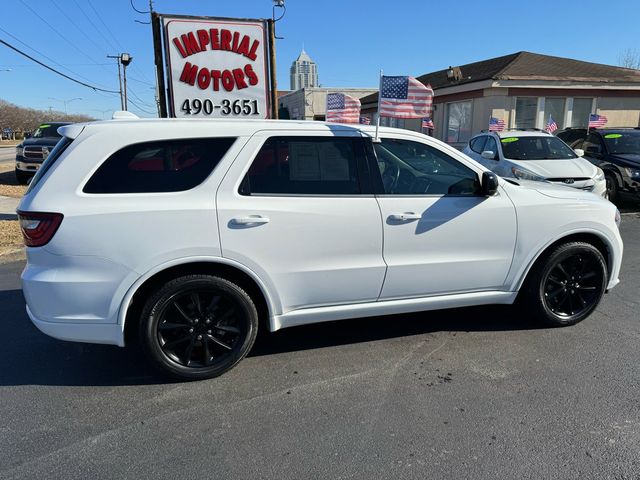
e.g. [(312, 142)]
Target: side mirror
[(579, 152), (489, 184), (488, 154)]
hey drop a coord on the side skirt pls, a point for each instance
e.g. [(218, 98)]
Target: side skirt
[(390, 307)]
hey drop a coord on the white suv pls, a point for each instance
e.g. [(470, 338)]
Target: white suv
[(195, 233), (536, 155)]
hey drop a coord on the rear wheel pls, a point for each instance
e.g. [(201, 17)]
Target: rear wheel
[(198, 326), (22, 177), (567, 285)]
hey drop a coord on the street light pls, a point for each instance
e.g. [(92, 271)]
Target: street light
[(123, 59), (65, 102)]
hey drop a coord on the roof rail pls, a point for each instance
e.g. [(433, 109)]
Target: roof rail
[(123, 115), (526, 129)]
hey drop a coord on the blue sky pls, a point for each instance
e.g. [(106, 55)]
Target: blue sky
[(350, 40)]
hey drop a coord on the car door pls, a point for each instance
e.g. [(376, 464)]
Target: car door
[(475, 147), (440, 235), (297, 209)]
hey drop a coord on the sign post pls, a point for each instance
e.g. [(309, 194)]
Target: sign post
[(218, 67)]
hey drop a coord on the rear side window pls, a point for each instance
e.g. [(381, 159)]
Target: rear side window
[(55, 154), (304, 166), (159, 166), (477, 144)]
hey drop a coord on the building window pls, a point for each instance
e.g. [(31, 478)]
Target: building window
[(458, 122), (526, 109), (581, 111), (555, 108)]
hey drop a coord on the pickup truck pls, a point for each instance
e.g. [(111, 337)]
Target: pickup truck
[(34, 150)]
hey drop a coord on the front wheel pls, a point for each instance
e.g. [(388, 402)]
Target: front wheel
[(198, 326), (567, 285), (612, 188)]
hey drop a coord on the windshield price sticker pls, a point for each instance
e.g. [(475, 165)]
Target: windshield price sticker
[(217, 67), (509, 139), (613, 135)]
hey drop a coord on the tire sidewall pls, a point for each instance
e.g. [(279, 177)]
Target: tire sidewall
[(562, 253), (156, 304)]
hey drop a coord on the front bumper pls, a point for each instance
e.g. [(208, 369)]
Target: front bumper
[(28, 167)]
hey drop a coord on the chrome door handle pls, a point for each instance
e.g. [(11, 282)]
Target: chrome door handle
[(405, 216), (250, 220)]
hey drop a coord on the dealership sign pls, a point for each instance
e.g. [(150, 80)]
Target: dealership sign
[(216, 67)]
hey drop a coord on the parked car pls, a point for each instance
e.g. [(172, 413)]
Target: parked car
[(34, 150), (196, 233), (616, 151), (535, 155)]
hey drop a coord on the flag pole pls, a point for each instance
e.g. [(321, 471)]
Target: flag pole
[(377, 138)]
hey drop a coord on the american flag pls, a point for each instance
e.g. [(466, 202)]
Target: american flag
[(365, 120), (496, 124), (342, 108), (427, 123), (405, 97), (597, 121), (552, 126)]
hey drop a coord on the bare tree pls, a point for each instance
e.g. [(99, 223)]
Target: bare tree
[(629, 58), (21, 120)]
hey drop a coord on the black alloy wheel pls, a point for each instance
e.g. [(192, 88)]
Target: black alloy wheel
[(566, 285), (198, 326)]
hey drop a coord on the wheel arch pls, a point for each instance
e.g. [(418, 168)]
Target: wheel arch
[(594, 238), (133, 301)]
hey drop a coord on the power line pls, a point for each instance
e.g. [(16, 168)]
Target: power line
[(45, 56), (76, 25), (92, 87), (142, 109), (56, 31), (139, 11)]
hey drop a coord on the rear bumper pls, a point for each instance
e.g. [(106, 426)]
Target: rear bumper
[(75, 298), (109, 334)]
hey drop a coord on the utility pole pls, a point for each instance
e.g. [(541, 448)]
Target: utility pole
[(123, 59), (117, 57)]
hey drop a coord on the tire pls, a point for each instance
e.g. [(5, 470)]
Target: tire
[(566, 285), (612, 188), (198, 326), (22, 177)]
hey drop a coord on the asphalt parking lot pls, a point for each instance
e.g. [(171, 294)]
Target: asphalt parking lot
[(467, 393)]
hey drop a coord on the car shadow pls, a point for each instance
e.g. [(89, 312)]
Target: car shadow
[(31, 358)]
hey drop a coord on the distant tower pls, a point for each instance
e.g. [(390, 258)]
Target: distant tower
[(304, 72)]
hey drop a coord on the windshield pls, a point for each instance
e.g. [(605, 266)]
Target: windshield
[(535, 148), (46, 130), (624, 142)]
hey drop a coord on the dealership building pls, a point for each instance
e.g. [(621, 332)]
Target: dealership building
[(311, 103), (523, 89)]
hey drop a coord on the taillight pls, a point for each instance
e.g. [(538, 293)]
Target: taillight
[(38, 228)]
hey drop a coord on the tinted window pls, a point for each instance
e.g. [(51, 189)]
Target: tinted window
[(159, 166), (477, 144), (55, 154), (492, 146), (46, 130), (592, 144), (622, 142), (304, 165), (535, 148), (412, 168)]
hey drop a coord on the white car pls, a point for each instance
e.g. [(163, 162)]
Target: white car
[(196, 233), (536, 155)]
